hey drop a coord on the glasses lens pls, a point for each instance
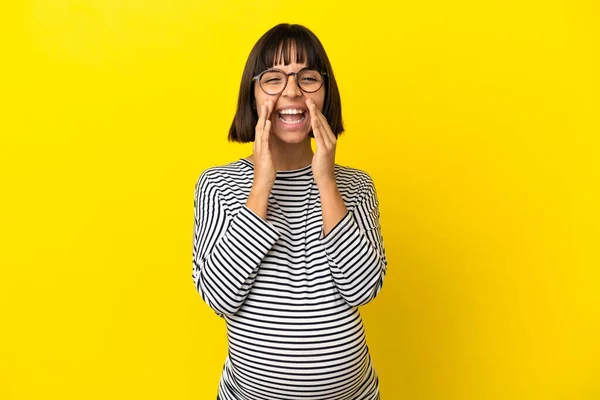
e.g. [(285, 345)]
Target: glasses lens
[(272, 82), (310, 80)]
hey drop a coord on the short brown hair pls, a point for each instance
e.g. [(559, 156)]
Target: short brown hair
[(274, 47)]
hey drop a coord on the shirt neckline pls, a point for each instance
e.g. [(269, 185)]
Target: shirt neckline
[(290, 173)]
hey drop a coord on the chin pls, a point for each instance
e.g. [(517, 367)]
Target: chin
[(292, 137)]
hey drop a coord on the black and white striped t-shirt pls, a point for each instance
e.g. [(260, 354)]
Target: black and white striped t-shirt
[(288, 294)]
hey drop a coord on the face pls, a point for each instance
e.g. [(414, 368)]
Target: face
[(287, 125)]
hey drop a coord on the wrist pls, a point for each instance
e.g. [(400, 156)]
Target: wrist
[(260, 192), (326, 183), (261, 187), (258, 201)]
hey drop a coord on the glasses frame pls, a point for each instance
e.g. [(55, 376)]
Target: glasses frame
[(259, 76)]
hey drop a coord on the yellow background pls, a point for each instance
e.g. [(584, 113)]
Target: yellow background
[(478, 121)]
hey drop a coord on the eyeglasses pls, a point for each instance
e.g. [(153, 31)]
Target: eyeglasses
[(273, 81)]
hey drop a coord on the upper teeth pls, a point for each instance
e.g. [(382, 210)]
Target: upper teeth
[(290, 111)]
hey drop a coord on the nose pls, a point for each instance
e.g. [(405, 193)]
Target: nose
[(291, 89)]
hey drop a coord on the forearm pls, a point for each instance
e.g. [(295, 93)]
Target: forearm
[(356, 265), (225, 272), (354, 247), (258, 199), (333, 207), (227, 249)]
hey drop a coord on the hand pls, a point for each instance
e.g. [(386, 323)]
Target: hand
[(324, 158), (264, 167)]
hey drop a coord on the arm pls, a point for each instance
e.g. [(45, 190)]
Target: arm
[(351, 239), (354, 248), (333, 207), (227, 250)]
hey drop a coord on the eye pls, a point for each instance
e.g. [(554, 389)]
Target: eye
[(272, 78)]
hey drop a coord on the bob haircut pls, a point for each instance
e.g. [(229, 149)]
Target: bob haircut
[(276, 47)]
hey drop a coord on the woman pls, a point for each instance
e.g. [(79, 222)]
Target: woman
[(287, 244)]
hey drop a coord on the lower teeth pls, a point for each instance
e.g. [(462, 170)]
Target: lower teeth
[(292, 122)]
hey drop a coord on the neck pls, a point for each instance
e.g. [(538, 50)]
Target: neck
[(287, 156)]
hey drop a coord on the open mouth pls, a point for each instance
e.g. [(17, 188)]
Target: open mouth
[(292, 116)]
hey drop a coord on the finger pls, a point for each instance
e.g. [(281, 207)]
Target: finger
[(317, 126), (267, 126), (266, 132), (327, 132), (270, 106), (314, 123), (259, 125), (322, 128), (261, 118)]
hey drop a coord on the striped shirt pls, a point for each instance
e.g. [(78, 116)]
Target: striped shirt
[(289, 294)]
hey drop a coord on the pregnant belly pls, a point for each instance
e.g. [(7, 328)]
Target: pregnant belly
[(306, 355)]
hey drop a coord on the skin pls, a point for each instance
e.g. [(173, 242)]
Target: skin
[(278, 148)]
